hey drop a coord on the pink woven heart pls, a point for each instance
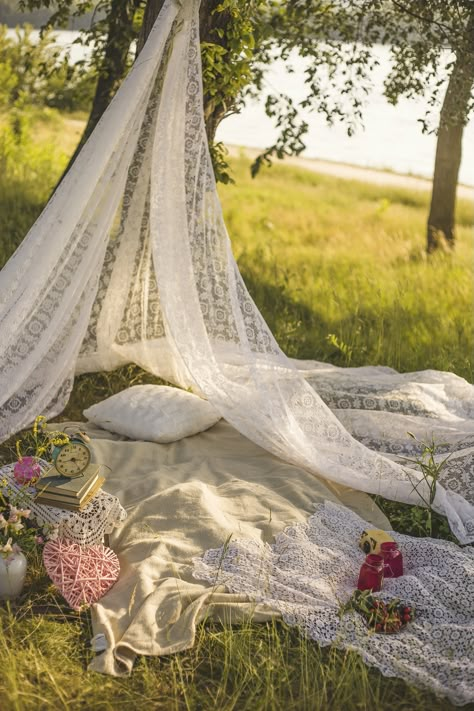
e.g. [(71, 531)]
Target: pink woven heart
[(82, 574)]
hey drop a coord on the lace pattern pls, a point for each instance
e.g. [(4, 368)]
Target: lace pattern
[(87, 527), (131, 261), (312, 567)]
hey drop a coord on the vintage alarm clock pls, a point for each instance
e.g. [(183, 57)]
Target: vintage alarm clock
[(371, 540), (72, 458)]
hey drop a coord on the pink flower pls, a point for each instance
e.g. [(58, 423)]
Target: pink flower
[(39, 540), (27, 470)]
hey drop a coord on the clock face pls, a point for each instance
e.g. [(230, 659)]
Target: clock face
[(72, 459)]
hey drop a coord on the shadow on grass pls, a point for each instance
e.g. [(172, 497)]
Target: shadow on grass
[(292, 323), (19, 209)]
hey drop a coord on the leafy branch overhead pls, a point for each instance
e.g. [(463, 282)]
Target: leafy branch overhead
[(432, 55), (338, 38)]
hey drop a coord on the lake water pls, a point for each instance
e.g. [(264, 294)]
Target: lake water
[(391, 138)]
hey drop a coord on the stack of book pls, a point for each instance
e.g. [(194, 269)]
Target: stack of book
[(53, 489)]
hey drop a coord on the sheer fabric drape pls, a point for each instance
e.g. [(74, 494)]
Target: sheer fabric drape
[(131, 261)]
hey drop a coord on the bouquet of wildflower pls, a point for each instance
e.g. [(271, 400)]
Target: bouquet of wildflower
[(16, 531), (40, 440)]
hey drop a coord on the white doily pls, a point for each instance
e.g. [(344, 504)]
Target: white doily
[(86, 527), (313, 567)]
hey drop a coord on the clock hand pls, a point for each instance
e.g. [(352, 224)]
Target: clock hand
[(74, 461)]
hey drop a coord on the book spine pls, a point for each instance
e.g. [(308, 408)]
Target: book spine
[(56, 496), (69, 505), (65, 494)]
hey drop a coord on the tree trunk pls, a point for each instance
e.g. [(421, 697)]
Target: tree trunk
[(208, 23), (115, 63), (152, 10), (453, 117)]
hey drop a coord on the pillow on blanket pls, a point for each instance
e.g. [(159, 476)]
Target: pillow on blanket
[(156, 413)]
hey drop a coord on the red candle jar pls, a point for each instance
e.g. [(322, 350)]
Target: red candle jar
[(371, 573), (392, 559)]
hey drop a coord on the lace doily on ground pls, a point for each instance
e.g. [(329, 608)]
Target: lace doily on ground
[(86, 527), (313, 567)]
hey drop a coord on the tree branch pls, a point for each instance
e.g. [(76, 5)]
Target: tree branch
[(425, 20)]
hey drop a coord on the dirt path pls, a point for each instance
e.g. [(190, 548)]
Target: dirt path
[(353, 172), (339, 170)]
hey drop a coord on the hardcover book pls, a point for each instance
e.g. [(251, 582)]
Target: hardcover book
[(53, 484), (69, 503)]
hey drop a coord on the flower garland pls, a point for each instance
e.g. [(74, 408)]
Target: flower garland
[(382, 617)]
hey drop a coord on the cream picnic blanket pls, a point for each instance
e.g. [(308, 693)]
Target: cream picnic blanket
[(182, 499)]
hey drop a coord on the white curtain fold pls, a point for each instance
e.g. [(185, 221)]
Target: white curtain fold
[(131, 261)]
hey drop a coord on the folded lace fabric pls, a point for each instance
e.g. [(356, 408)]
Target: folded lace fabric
[(312, 569)]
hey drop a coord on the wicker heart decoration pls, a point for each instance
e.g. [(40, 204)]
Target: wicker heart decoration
[(82, 574)]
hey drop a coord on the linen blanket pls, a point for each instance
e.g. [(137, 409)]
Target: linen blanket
[(182, 499), (190, 496)]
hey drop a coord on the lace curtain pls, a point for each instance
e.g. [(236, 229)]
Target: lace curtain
[(131, 261)]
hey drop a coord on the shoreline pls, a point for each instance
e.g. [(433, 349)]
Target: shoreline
[(347, 171)]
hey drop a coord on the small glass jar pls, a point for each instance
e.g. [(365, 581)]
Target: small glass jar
[(12, 575), (392, 559), (371, 573)]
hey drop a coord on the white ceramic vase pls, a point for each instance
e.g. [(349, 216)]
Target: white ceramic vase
[(12, 575)]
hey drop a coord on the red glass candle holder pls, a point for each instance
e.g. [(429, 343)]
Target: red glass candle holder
[(393, 560), (371, 573)]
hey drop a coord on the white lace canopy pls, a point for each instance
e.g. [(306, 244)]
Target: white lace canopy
[(131, 261)]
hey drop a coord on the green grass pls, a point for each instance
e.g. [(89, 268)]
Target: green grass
[(325, 256), (248, 668), (44, 653), (338, 270)]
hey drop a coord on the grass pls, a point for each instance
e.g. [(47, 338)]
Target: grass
[(337, 269), (44, 652), (249, 668)]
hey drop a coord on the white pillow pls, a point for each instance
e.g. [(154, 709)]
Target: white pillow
[(156, 413)]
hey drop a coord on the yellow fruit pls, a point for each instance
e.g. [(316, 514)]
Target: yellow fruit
[(371, 540)]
